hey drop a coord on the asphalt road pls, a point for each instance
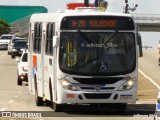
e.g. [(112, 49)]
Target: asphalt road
[(149, 64), (18, 98)]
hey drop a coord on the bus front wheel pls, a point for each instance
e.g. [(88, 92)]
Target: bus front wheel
[(38, 100), (57, 107), (121, 108)]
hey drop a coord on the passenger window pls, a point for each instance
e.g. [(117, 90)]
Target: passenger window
[(37, 37), (49, 38)]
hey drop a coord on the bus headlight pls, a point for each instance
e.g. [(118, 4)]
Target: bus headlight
[(127, 85), (67, 85)]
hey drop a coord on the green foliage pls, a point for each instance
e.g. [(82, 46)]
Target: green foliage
[(4, 27)]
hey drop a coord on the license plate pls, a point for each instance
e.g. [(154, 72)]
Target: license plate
[(4, 45)]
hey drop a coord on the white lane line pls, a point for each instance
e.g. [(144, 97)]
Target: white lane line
[(11, 101), (146, 91), (3, 109), (151, 80)]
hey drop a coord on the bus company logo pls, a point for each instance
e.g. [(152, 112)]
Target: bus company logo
[(6, 114), (98, 88)]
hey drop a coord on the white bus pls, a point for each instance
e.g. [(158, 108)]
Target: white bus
[(83, 56)]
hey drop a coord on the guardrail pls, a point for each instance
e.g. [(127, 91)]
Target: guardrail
[(21, 26), (147, 18)]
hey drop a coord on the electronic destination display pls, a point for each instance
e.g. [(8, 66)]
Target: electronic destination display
[(97, 22)]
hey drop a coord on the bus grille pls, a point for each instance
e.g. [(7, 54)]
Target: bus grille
[(97, 96), (94, 88), (109, 80)]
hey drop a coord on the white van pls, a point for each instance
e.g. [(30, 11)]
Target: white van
[(4, 40)]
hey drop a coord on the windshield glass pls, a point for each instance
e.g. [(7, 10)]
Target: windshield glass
[(97, 53), (20, 44), (14, 40), (6, 37)]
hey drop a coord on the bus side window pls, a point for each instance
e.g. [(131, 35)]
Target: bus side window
[(49, 38), (37, 37)]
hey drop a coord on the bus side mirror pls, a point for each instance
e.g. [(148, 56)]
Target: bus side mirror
[(140, 45), (55, 41)]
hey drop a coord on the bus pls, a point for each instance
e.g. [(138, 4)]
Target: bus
[(83, 56)]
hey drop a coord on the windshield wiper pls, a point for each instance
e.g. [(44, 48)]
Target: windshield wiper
[(85, 37), (110, 37)]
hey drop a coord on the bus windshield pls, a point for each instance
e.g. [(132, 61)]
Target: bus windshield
[(99, 53)]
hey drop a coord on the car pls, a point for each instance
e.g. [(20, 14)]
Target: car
[(11, 43), (4, 40), (22, 69), (18, 47), (157, 110)]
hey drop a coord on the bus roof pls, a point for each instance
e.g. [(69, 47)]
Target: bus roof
[(50, 17)]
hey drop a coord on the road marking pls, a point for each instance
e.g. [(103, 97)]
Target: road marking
[(150, 79), (11, 101), (146, 101), (147, 91), (3, 109)]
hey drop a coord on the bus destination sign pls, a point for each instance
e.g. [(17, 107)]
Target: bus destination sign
[(94, 23), (97, 22)]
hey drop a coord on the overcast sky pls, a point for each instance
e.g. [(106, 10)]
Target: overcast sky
[(144, 6)]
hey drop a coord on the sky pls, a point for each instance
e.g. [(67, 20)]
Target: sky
[(144, 6)]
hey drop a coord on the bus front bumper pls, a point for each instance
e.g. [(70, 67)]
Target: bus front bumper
[(128, 96)]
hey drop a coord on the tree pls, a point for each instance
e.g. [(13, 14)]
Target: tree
[(4, 27)]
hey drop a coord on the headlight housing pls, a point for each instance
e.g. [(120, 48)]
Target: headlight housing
[(14, 50), (67, 85), (127, 85)]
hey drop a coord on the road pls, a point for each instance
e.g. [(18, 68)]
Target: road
[(149, 64), (18, 98)]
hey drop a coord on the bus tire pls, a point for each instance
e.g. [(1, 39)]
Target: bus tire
[(19, 81), (57, 107), (38, 100), (50, 103), (121, 108), (12, 56)]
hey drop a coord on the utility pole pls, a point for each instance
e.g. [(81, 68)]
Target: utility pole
[(86, 3), (126, 6)]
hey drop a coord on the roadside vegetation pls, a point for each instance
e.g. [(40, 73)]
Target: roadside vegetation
[(4, 27)]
